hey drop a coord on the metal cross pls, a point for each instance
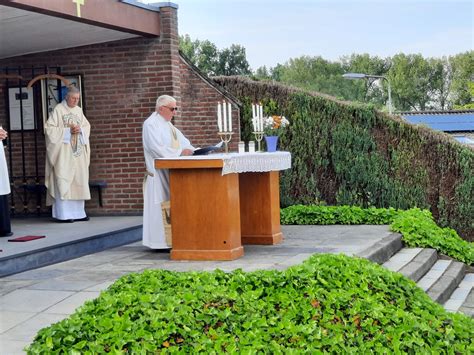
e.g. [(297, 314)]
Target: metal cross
[(78, 6)]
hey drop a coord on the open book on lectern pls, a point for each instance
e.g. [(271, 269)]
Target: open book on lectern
[(207, 150)]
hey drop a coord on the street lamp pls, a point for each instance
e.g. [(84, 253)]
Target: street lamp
[(368, 76)]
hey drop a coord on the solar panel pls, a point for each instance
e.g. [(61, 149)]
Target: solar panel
[(448, 122)]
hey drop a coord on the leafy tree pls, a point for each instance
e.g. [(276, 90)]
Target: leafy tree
[(211, 61), (410, 77), (371, 90), (232, 61), (208, 58), (463, 78), (470, 105), (262, 73)]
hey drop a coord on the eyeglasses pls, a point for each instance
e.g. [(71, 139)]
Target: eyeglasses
[(172, 108)]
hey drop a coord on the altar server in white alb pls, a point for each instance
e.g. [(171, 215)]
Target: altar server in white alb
[(160, 140), (67, 160), (5, 225)]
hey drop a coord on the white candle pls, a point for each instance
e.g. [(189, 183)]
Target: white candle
[(219, 117), (254, 123), (229, 105), (253, 111), (224, 109)]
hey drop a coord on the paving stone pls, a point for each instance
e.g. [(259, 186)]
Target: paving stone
[(12, 319), (26, 331), (14, 347), (62, 285), (7, 286), (31, 300), (70, 304)]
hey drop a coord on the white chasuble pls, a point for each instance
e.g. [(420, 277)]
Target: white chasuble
[(4, 181), (67, 160), (160, 140)]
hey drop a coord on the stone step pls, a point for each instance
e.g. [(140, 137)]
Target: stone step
[(381, 251), (462, 299), (444, 280), (420, 265), (445, 284), (412, 262)]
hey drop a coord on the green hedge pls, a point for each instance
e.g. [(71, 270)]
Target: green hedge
[(352, 154), (330, 303), (416, 226)]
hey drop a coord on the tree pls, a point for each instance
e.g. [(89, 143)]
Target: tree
[(211, 61), (463, 78), (410, 77), (262, 73), (372, 91), (233, 61)]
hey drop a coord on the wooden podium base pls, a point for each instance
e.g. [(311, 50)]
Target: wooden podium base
[(207, 254), (263, 239), (260, 208)]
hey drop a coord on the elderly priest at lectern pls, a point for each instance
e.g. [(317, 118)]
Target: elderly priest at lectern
[(160, 140)]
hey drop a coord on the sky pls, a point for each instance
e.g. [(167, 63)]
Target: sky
[(273, 31)]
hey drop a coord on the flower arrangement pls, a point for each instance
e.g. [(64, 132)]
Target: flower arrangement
[(274, 125)]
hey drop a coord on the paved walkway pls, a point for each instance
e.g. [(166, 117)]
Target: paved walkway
[(37, 298)]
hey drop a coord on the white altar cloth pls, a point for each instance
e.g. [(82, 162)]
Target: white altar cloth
[(246, 162)]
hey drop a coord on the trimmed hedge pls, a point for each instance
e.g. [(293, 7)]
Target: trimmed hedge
[(330, 303), (352, 154)]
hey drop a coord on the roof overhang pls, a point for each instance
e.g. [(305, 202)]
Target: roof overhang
[(31, 26)]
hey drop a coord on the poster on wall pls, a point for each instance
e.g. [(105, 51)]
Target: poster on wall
[(21, 103)]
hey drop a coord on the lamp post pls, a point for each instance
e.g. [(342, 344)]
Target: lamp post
[(368, 76)]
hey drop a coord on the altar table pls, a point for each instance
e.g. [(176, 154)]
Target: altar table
[(221, 201)]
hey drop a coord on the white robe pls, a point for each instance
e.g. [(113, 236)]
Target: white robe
[(67, 163), (158, 143), (4, 181)]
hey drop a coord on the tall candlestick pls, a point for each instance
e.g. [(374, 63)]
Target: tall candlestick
[(230, 116), (224, 115), (219, 117)]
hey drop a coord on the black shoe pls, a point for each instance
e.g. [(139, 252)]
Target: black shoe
[(64, 220), (9, 234), (86, 218)]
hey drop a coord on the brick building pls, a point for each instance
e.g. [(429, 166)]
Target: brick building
[(123, 55)]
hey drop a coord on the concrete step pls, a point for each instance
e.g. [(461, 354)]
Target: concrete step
[(450, 275), (462, 299), (381, 251), (56, 252), (444, 280), (420, 265)]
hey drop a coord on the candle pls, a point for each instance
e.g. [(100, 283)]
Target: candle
[(230, 116), (219, 117), (224, 109), (253, 111)]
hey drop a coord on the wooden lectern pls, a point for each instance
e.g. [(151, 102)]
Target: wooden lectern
[(213, 214)]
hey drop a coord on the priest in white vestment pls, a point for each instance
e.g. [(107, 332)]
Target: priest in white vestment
[(160, 140), (5, 225), (67, 160)]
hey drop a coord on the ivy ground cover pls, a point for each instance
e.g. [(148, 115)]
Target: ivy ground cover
[(329, 303)]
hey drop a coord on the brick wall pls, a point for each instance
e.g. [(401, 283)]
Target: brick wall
[(121, 81)]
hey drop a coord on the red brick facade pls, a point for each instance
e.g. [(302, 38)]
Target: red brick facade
[(121, 81)]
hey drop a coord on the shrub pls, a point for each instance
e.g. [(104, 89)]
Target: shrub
[(330, 303)]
